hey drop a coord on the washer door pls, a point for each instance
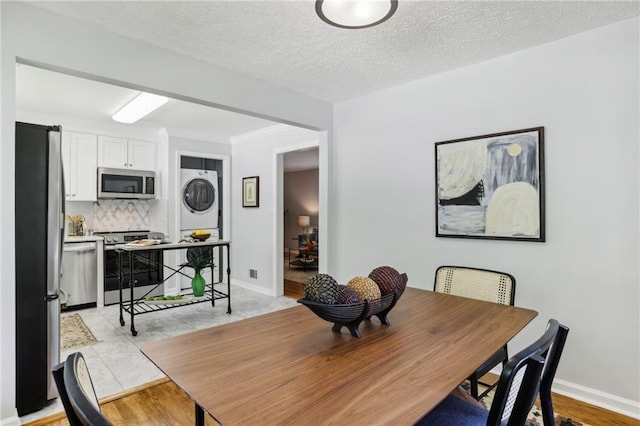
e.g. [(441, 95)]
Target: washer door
[(199, 196)]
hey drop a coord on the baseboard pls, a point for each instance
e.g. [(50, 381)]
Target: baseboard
[(10, 421), (253, 287), (591, 396)]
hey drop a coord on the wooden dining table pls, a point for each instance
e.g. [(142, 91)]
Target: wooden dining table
[(289, 368)]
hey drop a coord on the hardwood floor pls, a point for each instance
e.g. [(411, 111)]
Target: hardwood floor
[(158, 403), (162, 403), (581, 411), (293, 289), (590, 414)]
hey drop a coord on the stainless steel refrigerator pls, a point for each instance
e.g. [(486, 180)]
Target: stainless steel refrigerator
[(39, 232)]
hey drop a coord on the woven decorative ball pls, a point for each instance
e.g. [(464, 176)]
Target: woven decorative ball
[(347, 296), (321, 288), (365, 287), (387, 278)]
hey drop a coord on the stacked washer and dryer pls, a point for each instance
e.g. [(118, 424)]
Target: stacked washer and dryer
[(199, 207)]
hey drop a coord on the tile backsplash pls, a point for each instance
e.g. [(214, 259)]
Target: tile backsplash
[(121, 215)]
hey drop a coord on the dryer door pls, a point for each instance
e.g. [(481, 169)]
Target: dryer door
[(199, 196)]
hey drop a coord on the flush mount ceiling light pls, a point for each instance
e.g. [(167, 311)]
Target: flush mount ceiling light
[(354, 14), (139, 106)]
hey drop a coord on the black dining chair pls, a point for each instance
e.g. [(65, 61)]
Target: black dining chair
[(549, 372), (516, 390), (58, 376), (77, 392), (481, 284)]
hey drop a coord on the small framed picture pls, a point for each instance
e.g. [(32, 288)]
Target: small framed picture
[(251, 191)]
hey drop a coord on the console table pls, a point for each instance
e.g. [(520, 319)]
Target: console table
[(140, 306)]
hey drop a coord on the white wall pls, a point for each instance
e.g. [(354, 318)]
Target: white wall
[(39, 37), (253, 228), (301, 197), (584, 90)]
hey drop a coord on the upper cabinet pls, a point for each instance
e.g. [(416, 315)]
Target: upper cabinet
[(142, 155), (120, 153), (112, 152), (80, 162)]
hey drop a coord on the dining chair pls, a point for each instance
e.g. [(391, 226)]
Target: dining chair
[(481, 284), (515, 393), (77, 392), (58, 377), (549, 372)]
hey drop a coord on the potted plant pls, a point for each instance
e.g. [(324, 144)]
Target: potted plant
[(198, 259)]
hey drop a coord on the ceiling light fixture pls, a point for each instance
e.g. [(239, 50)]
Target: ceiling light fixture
[(138, 107), (353, 14)]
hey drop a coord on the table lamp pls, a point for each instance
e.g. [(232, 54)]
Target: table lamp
[(304, 222)]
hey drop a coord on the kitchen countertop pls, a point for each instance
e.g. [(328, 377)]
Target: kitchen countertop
[(170, 245), (82, 238)]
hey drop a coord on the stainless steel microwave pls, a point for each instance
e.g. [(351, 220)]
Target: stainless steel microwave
[(126, 183)]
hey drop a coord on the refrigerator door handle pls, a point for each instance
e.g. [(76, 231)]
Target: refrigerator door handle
[(55, 225), (55, 239), (63, 200)]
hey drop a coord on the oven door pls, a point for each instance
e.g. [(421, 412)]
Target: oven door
[(147, 273)]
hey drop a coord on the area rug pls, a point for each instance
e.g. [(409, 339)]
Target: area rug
[(74, 332), (535, 415), (296, 274)]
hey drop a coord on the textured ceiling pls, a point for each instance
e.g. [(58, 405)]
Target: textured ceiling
[(284, 42)]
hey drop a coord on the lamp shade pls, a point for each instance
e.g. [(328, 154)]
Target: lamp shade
[(352, 14), (304, 221)]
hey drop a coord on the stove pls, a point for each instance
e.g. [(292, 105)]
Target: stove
[(145, 267), (121, 237)]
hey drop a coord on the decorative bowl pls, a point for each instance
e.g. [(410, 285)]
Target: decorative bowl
[(351, 316), (201, 237)]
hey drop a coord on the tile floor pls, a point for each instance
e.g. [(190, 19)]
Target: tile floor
[(115, 362)]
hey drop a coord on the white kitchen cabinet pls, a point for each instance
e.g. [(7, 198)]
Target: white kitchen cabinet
[(80, 162), (142, 155), (112, 152), (120, 153)]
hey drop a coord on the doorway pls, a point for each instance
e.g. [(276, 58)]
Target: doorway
[(300, 259)]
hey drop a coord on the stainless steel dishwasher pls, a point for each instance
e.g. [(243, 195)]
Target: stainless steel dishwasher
[(79, 278)]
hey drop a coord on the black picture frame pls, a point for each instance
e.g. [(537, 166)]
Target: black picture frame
[(491, 186), (251, 191)]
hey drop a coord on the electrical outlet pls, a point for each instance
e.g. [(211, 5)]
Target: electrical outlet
[(253, 273)]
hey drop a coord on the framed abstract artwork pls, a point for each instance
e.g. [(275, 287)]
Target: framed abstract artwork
[(251, 191), (491, 186)]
